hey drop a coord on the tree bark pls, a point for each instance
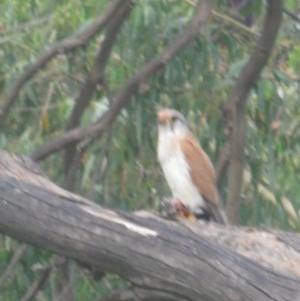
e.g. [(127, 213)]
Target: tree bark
[(163, 260)]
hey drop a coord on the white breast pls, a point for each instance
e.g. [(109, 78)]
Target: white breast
[(177, 172)]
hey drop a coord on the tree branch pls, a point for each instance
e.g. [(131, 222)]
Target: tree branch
[(95, 76), (236, 105), (200, 17), (78, 40), (18, 254), (38, 284), (120, 295), (97, 72), (163, 260)]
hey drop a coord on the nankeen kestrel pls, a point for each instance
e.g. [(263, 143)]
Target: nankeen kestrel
[(187, 168)]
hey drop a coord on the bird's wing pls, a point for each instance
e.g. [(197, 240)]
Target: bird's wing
[(201, 169), (203, 175)]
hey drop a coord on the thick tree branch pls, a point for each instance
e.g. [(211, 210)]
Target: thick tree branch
[(78, 40), (236, 106), (202, 13), (163, 260), (95, 76), (97, 72)]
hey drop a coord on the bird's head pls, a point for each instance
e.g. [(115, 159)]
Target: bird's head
[(172, 122)]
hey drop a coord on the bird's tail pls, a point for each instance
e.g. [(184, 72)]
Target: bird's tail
[(217, 215)]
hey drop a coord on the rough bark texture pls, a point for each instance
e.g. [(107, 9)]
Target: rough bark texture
[(164, 260)]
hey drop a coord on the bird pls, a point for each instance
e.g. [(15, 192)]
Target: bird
[(188, 170)]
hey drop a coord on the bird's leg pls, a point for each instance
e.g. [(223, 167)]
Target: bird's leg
[(173, 208), (183, 212)]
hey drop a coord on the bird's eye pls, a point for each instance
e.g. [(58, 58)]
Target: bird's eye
[(174, 118)]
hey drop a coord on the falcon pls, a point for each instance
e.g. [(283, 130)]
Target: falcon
[(187, 169)]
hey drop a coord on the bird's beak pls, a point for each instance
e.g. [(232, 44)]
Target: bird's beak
[(163, 117)]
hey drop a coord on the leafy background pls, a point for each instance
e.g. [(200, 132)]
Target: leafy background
[(119, 169)]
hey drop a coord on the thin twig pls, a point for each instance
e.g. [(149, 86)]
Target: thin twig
[(24, 27), (126, 294), (37, 285), (45, 272), (292, 15), (230, 21), (7, 274)]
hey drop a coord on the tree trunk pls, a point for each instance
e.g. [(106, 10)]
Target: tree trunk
[(164, 260)]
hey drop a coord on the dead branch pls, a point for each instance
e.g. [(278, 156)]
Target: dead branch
[(45, 272), (37, 285), (18, 254), (163, 260)]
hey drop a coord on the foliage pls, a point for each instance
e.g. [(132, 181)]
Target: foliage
[(119, 169)]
